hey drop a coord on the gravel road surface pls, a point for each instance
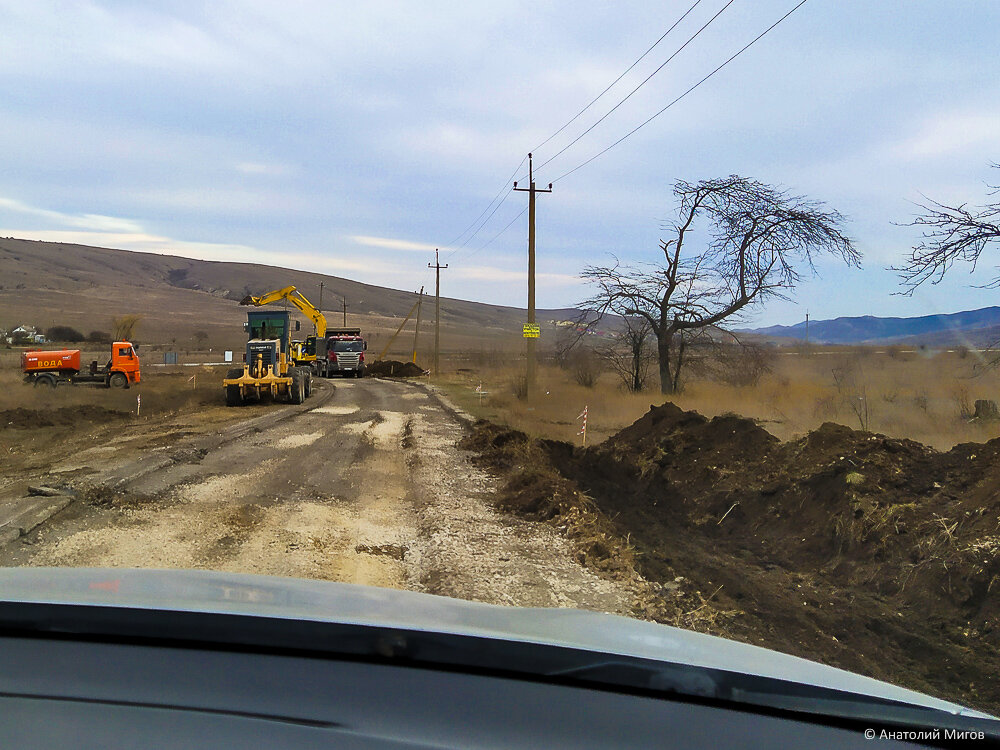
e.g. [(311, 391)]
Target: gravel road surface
[(362, 485)]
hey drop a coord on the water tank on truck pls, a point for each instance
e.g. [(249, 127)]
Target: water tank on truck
[(50, 368)]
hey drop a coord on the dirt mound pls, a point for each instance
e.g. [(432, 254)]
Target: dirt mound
[(537, 490), (390, 368), (64, 416), (858, 507), (877, 555)]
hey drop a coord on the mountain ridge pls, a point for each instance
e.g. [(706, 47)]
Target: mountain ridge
[(963, 327), (50, 283)]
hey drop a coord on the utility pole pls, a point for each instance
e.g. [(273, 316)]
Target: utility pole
[(437, 308), (531, 330), (416, 331), (345, 312), (807, 328)]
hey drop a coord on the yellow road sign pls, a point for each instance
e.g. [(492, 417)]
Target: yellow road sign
[(531, 331)]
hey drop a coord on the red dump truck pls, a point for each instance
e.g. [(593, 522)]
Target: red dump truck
[(63, 366)]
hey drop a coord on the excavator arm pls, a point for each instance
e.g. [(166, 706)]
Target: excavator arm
[(296, 298)]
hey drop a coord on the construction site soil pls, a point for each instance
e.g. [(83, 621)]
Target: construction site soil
[(872, 554), (21, 417), (390, 368)]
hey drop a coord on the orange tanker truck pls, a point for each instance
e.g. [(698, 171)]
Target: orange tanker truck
[(63, 366)]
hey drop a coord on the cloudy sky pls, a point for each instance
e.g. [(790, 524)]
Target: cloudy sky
[(354, 138)]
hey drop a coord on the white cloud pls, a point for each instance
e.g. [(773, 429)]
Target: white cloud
[(235, 253), (952, 133), (138, 242), (388, 243), (261, 168), (492, 274), (94, 222)]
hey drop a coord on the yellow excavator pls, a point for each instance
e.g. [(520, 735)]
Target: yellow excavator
[(302, 353)]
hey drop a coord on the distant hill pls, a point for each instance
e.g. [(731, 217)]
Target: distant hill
[(971, 328), (47, 283)]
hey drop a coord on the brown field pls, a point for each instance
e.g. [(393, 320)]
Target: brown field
[(37, 422), (922, 396)]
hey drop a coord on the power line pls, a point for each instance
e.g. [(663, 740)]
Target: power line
[(672, 103), (504, 192), (612, 84), (485, 222), (644, 82), (497, 235)]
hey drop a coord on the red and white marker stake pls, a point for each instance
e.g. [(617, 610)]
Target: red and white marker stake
[(583, 430)]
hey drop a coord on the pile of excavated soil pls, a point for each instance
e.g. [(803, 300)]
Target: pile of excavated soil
[(390, 368), (64, 416), (877, 555)]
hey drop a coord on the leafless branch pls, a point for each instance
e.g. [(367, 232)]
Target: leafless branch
[(951, 234)]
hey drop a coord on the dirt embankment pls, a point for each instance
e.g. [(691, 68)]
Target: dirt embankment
[(877, 555), (390, 368)]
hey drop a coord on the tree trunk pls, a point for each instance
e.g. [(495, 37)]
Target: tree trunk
[(680, 363), (663, 355), (637, 344)]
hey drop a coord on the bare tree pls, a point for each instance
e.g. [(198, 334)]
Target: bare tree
[(734, 361), (950, 234), (757, 237), (631, 353), (123, 327)]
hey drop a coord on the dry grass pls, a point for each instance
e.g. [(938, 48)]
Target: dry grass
[(161, 391), (921, 396)]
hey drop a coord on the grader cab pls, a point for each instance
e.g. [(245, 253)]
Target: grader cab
[(268, 369)]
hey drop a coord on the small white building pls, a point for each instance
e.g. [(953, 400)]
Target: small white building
[(26, 332)]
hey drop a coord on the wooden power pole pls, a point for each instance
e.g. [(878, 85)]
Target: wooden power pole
[(416, 331), (345, 312), (531, 329), (437, 309)]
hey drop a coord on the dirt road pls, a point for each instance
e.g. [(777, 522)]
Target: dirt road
[(365, 485)]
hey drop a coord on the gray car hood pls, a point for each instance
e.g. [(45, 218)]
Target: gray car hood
[(350, 604)]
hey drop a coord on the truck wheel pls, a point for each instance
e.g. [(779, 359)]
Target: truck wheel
[(45, 380), (118, 380), (297, 390)]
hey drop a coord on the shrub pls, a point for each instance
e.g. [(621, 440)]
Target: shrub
[(99, 337), (742, 365), (583, 366), (64, 333)]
